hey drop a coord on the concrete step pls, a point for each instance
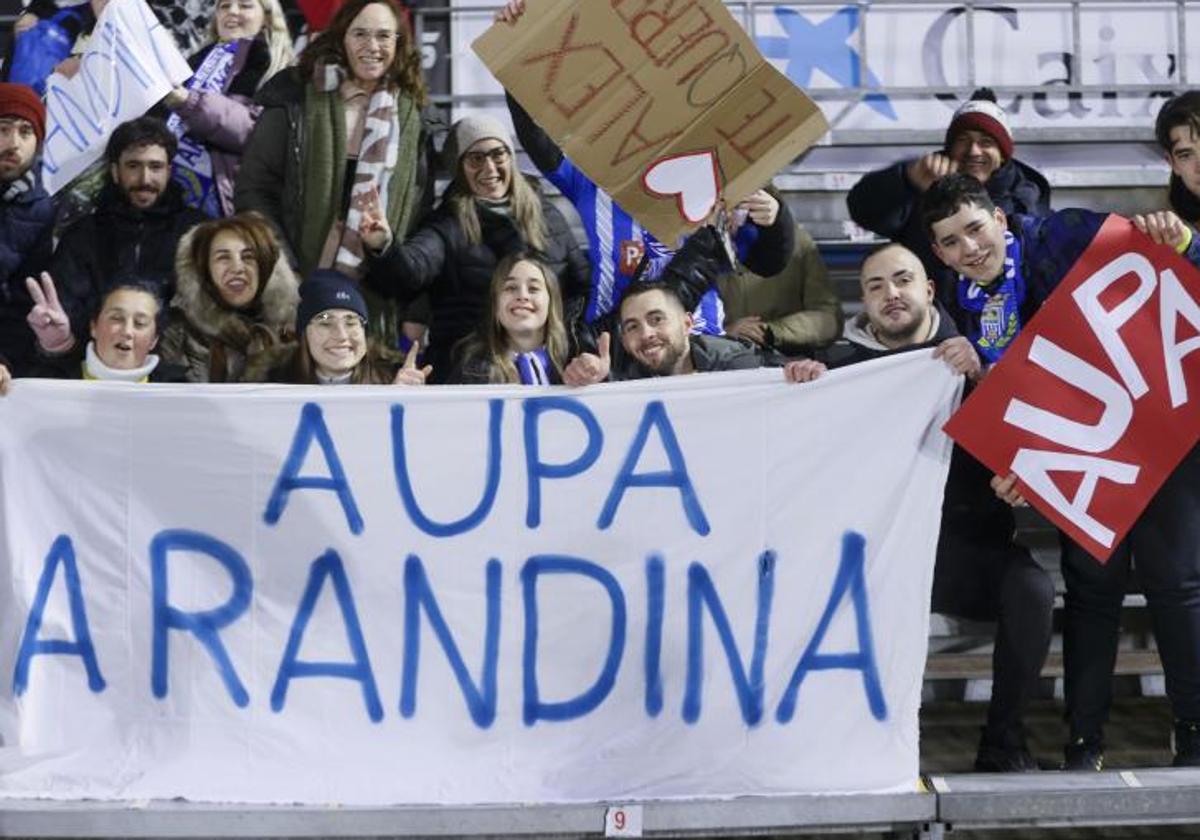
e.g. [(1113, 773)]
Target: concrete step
[(978, 666)]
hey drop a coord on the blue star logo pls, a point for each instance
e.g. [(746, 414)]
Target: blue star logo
[(824, 46)]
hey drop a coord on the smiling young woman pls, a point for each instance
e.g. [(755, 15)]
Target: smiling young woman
[(489, 211), (248, 44), (522, 337)]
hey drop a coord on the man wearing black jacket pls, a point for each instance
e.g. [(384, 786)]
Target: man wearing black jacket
[(138, 220)]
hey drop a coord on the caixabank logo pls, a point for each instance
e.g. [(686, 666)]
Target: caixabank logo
[(1116, 47), (823, 46)]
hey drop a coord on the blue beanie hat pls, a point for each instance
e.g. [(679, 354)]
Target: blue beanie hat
[(328, 289)]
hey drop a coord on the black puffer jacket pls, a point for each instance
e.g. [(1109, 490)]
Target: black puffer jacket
[(25, 228), (117, 240), (437, 257), (886, 203)]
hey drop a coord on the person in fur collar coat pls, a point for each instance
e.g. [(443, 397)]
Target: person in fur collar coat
[(234, 311)]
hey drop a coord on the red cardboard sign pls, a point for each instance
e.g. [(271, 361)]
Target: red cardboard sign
[(1098, 399)]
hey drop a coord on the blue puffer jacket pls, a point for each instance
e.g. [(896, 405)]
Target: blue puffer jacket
[(26, 224)]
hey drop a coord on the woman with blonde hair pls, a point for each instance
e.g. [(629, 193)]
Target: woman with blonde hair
[(215, 113), (522, 337), (489, 211)]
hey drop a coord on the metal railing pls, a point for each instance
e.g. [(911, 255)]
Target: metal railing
[(749, 13)]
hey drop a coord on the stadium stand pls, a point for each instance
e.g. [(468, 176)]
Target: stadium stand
[(1115, 169)]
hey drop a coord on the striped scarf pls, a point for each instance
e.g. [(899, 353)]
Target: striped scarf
[(18, 186), (373, 165), (534, 367)]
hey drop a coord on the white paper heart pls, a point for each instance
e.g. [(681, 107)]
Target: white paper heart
[(691, 177)]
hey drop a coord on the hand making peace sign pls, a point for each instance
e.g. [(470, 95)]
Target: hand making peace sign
[(47, 319)]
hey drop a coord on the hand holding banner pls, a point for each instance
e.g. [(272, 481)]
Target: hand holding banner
[(131, 62), (373, 595), (1091, 407)]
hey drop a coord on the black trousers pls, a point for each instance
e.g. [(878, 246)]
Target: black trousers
[(983, 574), (990, 577), (1164, 545)]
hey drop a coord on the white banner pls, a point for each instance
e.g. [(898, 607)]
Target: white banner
[(130, 63), (712, 585), (927, 45)]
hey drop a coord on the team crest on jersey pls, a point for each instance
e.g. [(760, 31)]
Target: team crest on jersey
[(631, 256), (998, 323)]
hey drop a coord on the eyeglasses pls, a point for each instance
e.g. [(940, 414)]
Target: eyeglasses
[(476, 160), (327, 322), (364, 36)]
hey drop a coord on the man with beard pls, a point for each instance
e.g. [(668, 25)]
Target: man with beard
[(978, 143), (1008, 266), (26, 219), (138, 220), (656, 334), (981, 572)]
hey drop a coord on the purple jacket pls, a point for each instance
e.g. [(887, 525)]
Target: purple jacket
[(224, 120)]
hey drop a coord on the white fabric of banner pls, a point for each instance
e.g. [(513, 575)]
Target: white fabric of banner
[(712, 585)]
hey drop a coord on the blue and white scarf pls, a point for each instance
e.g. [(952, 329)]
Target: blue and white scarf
[(533, 367), (996, 309), (193, 169)]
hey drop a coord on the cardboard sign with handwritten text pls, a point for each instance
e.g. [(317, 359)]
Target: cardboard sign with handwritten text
[(664, 105)]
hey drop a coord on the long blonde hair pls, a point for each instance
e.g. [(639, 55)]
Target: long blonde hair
[(489, 342), (525, 204), (275, 31)]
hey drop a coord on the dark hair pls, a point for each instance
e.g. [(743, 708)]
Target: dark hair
[(950, 194), (1179, 110), (135, 283), (645, 287), (329, 46), (257, 233), (144, 131)]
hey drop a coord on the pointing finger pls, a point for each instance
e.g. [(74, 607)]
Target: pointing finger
[(604, 345)]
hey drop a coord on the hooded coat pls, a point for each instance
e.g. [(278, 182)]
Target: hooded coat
[(218, 344)]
